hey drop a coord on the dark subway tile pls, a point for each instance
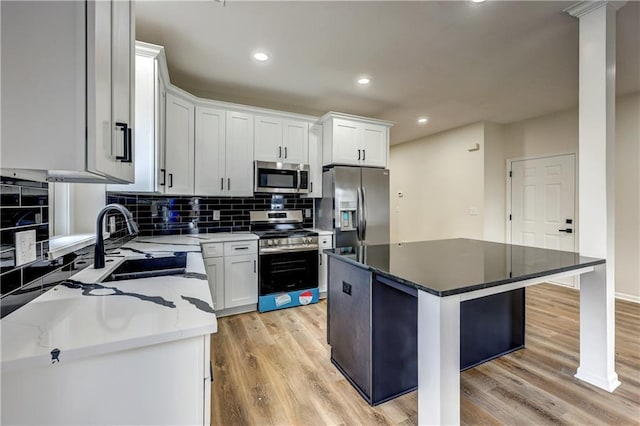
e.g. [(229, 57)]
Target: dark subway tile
[(10, 281)]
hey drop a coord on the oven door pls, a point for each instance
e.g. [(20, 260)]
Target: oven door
[(288, 271)]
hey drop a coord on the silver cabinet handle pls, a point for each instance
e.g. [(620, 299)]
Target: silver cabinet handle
[(221, 184)]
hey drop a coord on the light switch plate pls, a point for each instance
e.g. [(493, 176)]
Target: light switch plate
[(25, 247), (307, 212), (216, 215)]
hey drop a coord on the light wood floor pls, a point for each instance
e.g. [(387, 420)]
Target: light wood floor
[(274, 369)]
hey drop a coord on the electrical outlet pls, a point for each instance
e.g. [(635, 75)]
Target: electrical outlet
[(307, 212), (216, 215), (112, 225), (25, 247)]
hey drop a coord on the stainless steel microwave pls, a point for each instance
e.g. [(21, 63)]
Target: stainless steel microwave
[(281, 178)]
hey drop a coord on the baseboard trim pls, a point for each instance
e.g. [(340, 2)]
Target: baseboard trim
[(628, 297)]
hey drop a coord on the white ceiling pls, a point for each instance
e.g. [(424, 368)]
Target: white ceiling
[(456, 62)]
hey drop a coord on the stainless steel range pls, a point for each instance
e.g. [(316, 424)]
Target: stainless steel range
[(288, 259)]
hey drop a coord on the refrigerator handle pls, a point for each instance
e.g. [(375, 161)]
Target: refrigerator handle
[(359, 213), (364, 214)]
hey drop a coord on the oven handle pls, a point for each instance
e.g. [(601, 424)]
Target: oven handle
[(278, 250)]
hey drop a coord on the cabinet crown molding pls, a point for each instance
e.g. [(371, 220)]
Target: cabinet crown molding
[(582, 8), (334, 114)]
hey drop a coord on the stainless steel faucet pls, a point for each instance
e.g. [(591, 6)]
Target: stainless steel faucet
[(132, 227)]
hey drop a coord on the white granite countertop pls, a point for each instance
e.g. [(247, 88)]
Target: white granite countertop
[(84, 317)]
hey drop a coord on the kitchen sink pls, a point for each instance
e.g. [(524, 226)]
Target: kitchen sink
[(151, 267)]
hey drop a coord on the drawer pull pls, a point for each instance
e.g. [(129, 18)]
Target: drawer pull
[(241, 248)]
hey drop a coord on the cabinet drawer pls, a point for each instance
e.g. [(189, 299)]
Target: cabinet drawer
[(325, 242), (212, 250), (236, 248)]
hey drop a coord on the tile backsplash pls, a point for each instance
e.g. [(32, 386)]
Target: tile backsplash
[(24, 206), (166, 215)]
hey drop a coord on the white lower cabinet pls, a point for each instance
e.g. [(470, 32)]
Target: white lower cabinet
[(241, 280), (324, 242), (215, 275), (232, 272), (163, 384)]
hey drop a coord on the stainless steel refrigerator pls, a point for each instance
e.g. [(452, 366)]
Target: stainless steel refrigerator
[(355, 205)]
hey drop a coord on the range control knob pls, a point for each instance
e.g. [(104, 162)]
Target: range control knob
[(269, 242)]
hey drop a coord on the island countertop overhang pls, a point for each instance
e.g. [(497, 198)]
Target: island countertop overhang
[(454, 266)]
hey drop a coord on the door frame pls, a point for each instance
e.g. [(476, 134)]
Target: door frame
[(508, 195)]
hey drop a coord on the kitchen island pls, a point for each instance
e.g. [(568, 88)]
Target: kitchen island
[(446, 274)]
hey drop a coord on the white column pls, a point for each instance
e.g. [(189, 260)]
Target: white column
[(596, 199), (438, 359)]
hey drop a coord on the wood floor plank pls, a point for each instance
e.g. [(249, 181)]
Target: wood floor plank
[(275, 369)]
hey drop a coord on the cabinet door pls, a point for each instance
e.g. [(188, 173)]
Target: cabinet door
[(346, 142), (239, 154), (268, 139), (210, 151), (295, 144), (179, 148), (315, 162), (122, 82), (375, 143), (102, 136), (215, 275), (240, 280)]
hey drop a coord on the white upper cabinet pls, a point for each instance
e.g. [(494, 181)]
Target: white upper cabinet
[(315, 162), (210, 151), (355, 141), (239, 154), (70, 64), (281, 140), (223, 152), (149, 126), (179, 145)]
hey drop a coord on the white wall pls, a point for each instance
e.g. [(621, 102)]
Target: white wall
[(494, 183), (440, 180), (75, 207)]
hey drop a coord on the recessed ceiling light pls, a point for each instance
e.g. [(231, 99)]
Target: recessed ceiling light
[(478, 1), (260, 56), (422, 120), (363, 81)]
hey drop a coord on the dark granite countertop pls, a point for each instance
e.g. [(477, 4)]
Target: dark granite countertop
[(446, 267)]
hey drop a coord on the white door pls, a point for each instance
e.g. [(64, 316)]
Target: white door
[(239, 154), (295, 142), (240, 280), (179, 145), (374, 145), (268, 139), (543, 210), (210, 151)]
